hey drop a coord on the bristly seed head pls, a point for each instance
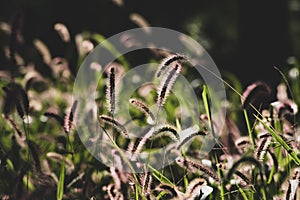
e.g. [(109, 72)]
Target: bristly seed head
[(111, 91), (135, 146), (117, 125), (167, 130), (167, 83), (143, 108), (168, 61), (69, 118), (193, 166), (263, 147)]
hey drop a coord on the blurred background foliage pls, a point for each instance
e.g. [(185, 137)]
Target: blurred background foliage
[(247, 38)]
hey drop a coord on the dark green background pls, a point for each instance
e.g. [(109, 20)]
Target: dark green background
[(247, 38)]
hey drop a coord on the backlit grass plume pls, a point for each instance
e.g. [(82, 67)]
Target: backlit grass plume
[(111, 90), (193, 166), (167, 83), (167, 62), (143, 108), (136, 145), (117, 125)]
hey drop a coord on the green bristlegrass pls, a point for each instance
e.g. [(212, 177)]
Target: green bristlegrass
[(61, 182), (207, 108), (250, 132), (279, 139)]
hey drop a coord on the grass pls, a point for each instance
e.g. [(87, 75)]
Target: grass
[(42, 156)]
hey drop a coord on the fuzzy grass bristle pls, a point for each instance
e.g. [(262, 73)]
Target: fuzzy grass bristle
[(190, 137), (146, 183), (55, 116), (193, 166), (166, 130), (14, 125), (167, 62), (143, 108), (256, 94), (117, 125), (167, 83), (263, 147), (111, 91), (69, 118), (136, 145), (168, 189), (194, 186)]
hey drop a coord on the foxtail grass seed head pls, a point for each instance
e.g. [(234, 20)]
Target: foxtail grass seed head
[(257, 92), (243, 177), (194, 166), (113, 193), (284, 108), (242, 143), (69, 118), (15, 97), (111, 91), (146, 183), (167, 62), (166, 130), (117, 125), (190, 137), (167, 83), (117, 176), (140, 21), (292, 189), (55, 116), (168, 189), (264, 135), (143, 108), (14, 125), (63, 32), (194, 187), (263, 147), (135, 146)]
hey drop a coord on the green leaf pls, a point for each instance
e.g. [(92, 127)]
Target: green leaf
[(207, 109), (205, 101), (60, 185)]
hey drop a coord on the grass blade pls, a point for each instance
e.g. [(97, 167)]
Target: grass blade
[(249, 128), (242, 192), (159, 176), (280, 141), (60, 185), (207, 108)]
